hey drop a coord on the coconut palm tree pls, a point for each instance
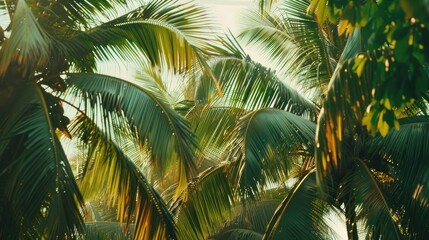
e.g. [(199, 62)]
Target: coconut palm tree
[(50, 52), (243, 157), (371, 179), (260, 141)]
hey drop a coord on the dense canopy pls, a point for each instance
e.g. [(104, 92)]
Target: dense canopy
[(197, 140)]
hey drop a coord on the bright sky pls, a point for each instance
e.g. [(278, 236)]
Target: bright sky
[(227, 12)]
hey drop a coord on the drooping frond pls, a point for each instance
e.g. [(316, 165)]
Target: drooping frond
[(167, 33), (295, 43), (205, 205), (38, 193), (82, 11), (372, 203), (152, 121), (406, 153), (267, 144), (251, 86), (214, 128), (407, 149), (27, 47), (113, 173), (301, 215), (254, 216)]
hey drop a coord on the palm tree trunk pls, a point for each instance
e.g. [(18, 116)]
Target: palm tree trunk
[(350, 213)]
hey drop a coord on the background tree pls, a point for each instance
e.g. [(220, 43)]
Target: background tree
[(49, 57), (204, 164)]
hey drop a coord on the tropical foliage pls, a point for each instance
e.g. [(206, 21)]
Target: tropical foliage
[(336, 125)]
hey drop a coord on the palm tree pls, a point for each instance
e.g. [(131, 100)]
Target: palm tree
[(373, 180), (272, 141), (242, 156), (240, 138), (49, 57)]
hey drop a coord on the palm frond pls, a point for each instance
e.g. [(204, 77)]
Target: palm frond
[(109, 170), (267, 144), (294, 42), (28, 45), (214, 128), (105, 231), (237, 234), (40, 189), (302, 213), (250, 86), (83, 11), (254, 216), (373, 206), (152, 121), (167, 33), (405, 152), (205, 205), (266, 5)]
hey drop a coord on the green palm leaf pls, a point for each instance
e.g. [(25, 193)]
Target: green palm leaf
[(293, 40), (167, 33), (110, 170), (249, 85), (83, 10), (405, 153), (373, 205), (301, 215), (267, 144), (27, 47), (205, 205), (105, 231), (251, 215), (265, 5), (214, 128), (237, 234), (40, 189), (152, 121)]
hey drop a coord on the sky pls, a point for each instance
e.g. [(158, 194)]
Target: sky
[(227, 12)]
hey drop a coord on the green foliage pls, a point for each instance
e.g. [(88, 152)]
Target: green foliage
[(264, 148), (147, 113), (205, 204), (301, 214), (39, 196), (396, 41), (239, 155), (292, 39), (110, 171), (48, 55)]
